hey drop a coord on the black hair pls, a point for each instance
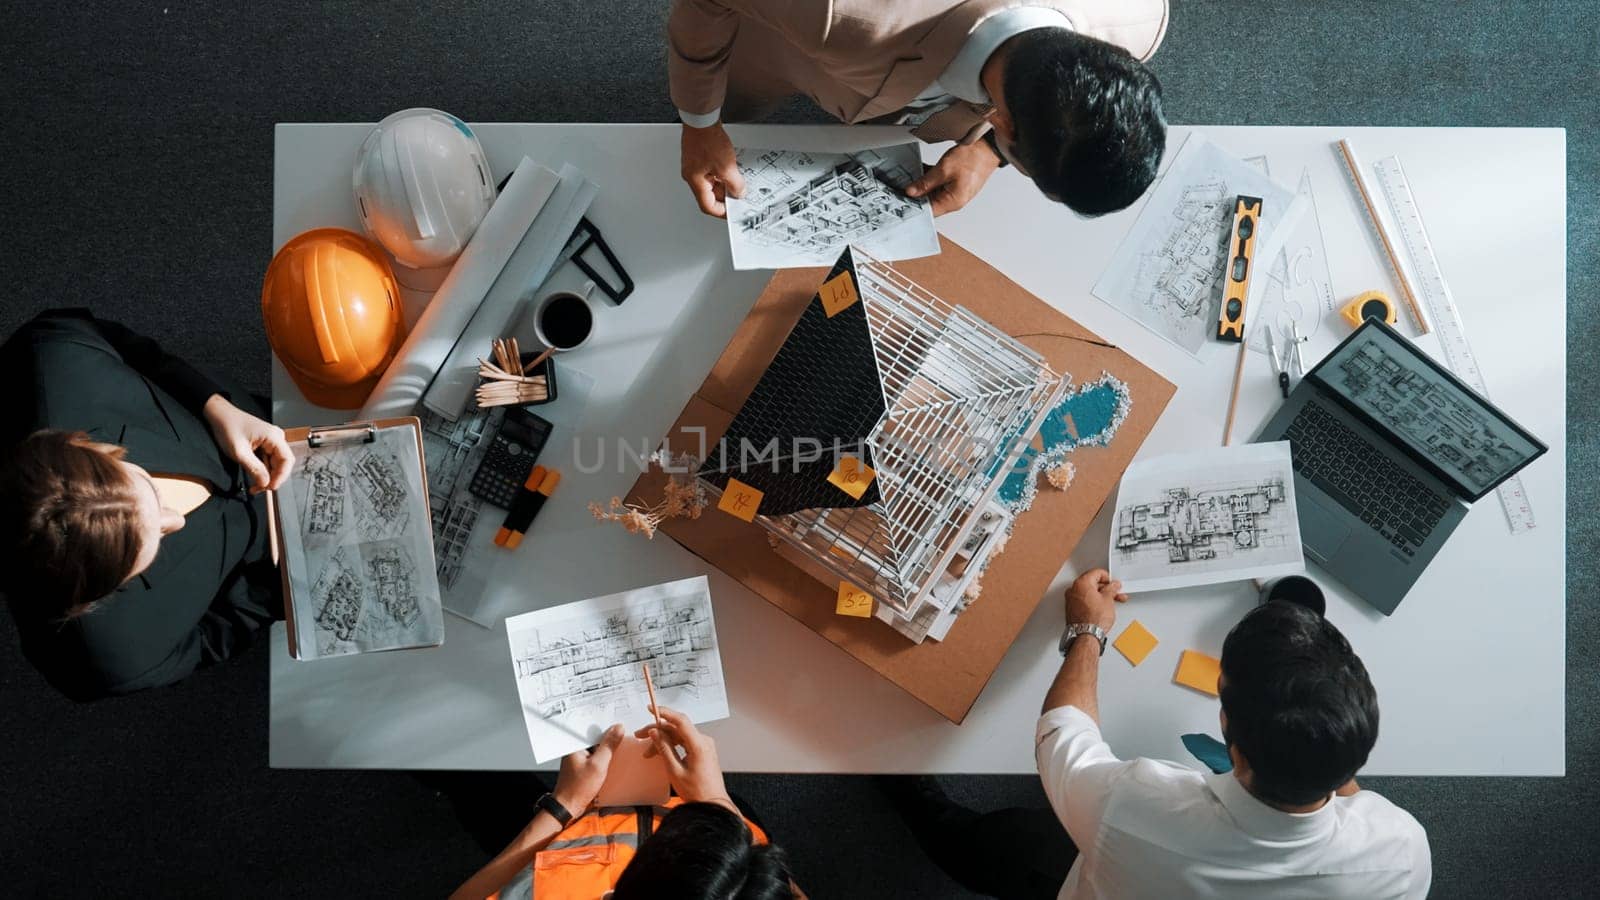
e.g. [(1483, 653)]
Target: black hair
[(1087, 116), (1299, 705), (704, 851)]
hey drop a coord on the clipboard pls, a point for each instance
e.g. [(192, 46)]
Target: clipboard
[(343, 436)]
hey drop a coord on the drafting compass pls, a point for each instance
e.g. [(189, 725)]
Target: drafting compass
[(1278, 360)]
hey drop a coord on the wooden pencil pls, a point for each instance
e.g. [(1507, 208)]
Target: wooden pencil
[(1233, 401), (651, 687)]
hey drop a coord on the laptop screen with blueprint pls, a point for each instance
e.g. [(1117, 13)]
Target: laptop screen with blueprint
[(1446, 426)]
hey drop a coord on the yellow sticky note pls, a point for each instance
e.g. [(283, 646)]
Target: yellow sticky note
[(852, 476), (1199, 671), (838, 294), (853, 601), (740, 500), (1135, 642)]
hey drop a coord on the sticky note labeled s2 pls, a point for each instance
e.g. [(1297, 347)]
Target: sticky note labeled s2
[(853, 601)]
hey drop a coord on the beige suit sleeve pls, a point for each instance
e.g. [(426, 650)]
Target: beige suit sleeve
[(700, 35)]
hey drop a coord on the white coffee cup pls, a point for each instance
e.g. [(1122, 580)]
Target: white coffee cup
[(565, 319)]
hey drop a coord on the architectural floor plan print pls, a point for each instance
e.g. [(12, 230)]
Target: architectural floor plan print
[(358, 563), (1167, 273), (1198, 518), (579, 667), (803, 209), (453, 450)]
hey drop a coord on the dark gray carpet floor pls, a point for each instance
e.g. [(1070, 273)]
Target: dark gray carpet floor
[(136, 179)]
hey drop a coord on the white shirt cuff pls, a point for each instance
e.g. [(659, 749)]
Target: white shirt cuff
[(700, 120)]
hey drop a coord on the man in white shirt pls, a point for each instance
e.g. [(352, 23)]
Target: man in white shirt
[(1299, 716), (1056, 87)]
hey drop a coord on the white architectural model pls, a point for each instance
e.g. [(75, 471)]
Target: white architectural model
[(579, 667), (957, 402)]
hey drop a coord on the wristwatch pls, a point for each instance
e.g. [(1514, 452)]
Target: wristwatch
[(551, 805), (1081, 628)]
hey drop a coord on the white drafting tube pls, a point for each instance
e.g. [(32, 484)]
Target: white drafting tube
[(524, 272), (441, 325)]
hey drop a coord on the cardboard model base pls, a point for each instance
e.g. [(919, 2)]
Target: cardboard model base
[(946, 675)]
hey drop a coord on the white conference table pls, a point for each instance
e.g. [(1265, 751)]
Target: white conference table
[(1470, 669)]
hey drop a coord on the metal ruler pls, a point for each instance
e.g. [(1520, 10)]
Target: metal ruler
[(1443, 314)]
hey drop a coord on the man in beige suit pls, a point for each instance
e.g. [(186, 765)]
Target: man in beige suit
[(1056, 88)]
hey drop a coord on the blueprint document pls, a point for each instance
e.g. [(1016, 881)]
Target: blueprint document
[(1167, 273), (579, 667), (1223, 514), (358, 549), (803, 209)]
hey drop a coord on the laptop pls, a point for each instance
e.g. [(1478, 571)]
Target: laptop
[(1390, 450)]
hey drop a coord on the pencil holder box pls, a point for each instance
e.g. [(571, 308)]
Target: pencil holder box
[(548, 370)]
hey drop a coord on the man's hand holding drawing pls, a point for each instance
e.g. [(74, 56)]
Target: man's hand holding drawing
[(584, 771), (696, 774), (958, 177), (711, 168), (1093, 597)]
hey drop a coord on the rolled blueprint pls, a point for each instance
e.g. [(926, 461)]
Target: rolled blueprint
[(461, 295), (528, 267)]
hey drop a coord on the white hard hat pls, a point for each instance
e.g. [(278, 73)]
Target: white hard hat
[(422, 185)]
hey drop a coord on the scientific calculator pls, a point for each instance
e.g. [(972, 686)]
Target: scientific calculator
[(510, 457)]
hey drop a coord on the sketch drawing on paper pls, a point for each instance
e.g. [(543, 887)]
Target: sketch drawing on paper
[(325, 498), (1167, 272), (364, 586), (338, 595), (579, 667), (1199, 518), (366, 597), (803, 209)]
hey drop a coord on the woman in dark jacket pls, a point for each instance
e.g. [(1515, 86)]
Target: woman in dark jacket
[(134, 541)]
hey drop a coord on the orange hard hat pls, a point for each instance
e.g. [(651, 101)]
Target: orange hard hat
[(332, 311)]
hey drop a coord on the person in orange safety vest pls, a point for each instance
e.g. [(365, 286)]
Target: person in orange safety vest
[(697, 845)]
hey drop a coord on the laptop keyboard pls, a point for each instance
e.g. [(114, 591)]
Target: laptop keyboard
[(1345, 466)]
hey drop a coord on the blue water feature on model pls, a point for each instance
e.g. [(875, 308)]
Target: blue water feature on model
[(1092, 412)]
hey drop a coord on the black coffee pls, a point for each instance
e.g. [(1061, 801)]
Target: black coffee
[(566, 321)]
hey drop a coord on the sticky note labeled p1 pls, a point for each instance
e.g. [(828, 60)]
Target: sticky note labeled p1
[(853, 601), (740, 500), (1199, 671), (852, 476), (1135, 642), (838, 294)]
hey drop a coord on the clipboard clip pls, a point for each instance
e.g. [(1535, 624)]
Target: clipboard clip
[(584, 238), (341, 434)]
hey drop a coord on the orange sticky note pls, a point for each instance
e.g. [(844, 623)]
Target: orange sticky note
[(853, 601), (1199, 671), (852, 476), (838, 294), (1135, 642), (740, 500)]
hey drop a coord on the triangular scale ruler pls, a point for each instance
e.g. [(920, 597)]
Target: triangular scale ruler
[(1443, 315)]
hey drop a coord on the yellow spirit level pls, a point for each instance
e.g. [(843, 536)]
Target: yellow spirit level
[(1236, 279)]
